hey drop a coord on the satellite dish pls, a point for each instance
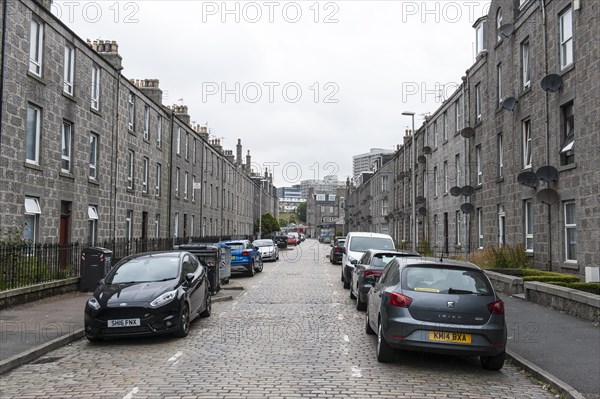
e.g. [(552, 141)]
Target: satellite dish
[(403, 215), (548, 196), (422, 211), (506, 30), (551, 82), (467, 208), (467, 191), (468, 132), (509, 103), (421, 159), (547, 173), (420, 200), (528, 179), (427, 150), (455, 191)]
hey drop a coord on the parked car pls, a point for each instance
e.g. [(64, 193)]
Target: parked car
[(302, 237), (296, 236), (440, 306), (281, 241), (292, 240), (245, 258), (267, 248), (337, 250), (371, 263), (356, 244), (148, 294)]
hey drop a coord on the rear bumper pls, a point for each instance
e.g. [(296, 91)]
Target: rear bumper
[(409, 334)]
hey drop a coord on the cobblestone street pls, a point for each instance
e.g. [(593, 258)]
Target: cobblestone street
[(293, 332)]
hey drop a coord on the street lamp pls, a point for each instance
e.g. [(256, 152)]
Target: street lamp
[(260, 208), (414, 187)]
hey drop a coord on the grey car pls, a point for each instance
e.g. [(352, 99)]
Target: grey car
[(371, 263), (440, 306), (267, 248)]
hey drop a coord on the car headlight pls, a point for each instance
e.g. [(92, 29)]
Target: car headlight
[(93, 303), (164, 299)]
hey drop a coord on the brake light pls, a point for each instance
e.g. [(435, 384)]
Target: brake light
[(496, 307), (375, 273), (400, 300), (337, 249), (245, 253)]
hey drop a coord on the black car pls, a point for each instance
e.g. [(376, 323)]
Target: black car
[(337, 250), (371, 263), (149, 294), (281, 241)]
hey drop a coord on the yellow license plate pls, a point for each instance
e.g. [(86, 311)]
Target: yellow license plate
[(233, 257), (442, 336)]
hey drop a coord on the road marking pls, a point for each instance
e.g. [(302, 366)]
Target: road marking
[(131, 393), (340, 317), (356, 372), (346, 338), (175, 356)]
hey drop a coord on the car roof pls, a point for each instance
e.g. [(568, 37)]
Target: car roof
[(366, 234), (393, 251), (235, 241), (431, 261)]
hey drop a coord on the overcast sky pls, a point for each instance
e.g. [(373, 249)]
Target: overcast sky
[(303, 84)]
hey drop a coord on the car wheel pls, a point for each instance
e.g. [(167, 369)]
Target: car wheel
[(360, 305), (493, 362), (251, 272), (184, 321), (368, 328), (352, 296), (346, 283), (385, 353), (208, 308), (342, 279), (260, 266), (92, 338)]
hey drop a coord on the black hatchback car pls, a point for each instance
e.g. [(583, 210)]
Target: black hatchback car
[(337, 250), (149, 294)]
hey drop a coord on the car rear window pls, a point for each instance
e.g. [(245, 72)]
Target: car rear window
[(445, 280), (236, 245), (381, 260), (362, 244)]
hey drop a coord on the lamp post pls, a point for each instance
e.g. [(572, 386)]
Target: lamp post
[(413, 184), (260, 208)]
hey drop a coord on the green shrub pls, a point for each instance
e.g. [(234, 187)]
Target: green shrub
[(504, 257), (593, 288), (424, 248), (551, 279)]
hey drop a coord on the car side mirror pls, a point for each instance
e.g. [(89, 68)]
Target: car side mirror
[(371, 279), (189, 277), (101, 282), (256, 248), (354, 261)]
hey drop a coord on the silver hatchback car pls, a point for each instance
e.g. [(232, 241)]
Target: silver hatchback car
[(436, 305)]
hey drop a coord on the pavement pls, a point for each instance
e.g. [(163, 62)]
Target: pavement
[(557, 349)]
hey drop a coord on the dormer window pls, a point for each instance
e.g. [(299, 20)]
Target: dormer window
[(480, 35)]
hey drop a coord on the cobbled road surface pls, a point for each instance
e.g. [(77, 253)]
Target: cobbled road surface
[(292, 333)]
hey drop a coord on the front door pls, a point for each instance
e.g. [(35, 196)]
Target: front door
[(64, 233), (446, 233)]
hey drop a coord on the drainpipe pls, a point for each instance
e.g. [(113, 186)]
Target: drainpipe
[(170, 169), (114, 165), (547, 127), (4, 12), (467, 158)]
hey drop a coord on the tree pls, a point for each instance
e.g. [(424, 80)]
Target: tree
[(301, 212), (269, 225), (283, 221), (292, 218)]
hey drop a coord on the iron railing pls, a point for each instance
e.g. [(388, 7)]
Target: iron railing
[(25, 264)]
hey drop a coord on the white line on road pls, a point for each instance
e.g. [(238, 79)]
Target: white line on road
[(131, 393), (346, 338), (340, 317), (174, 357), (356, 372)]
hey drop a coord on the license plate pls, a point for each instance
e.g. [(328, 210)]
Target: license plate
[(450, 337), (124, 323), (233, 257)]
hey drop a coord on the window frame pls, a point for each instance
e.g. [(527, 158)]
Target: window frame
[(480, 228), (500, 155), (66, 153), (478, 111), (158, 176), (130, 168), (36, 48), (131, 111), (36, 134), (93, 166), (159, 132), (34, 216), (565, 43), (499, 92), (146, 128), (129, 225), (177, 176), (478, 165), (528, 225), (527, 156), (525, 64), (92, 224), (95, 88), (69, 70), (145, 174), (568, 227)]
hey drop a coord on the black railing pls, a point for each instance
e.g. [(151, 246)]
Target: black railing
[(24, 264)]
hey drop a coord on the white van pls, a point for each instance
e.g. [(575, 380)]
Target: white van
[(358, 243)]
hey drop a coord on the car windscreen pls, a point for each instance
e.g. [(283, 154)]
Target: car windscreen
[(144, 269), (445, 280), (263, 243), (361, 244)]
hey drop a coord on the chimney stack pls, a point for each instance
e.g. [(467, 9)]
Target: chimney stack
[(248, 163), (150, 88), (181, 111), (109, 50), (238, 152)]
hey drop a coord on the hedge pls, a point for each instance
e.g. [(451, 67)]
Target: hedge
[(593, 288), (552, 279)]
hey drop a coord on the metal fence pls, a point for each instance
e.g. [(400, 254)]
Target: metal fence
[(25, 264)]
